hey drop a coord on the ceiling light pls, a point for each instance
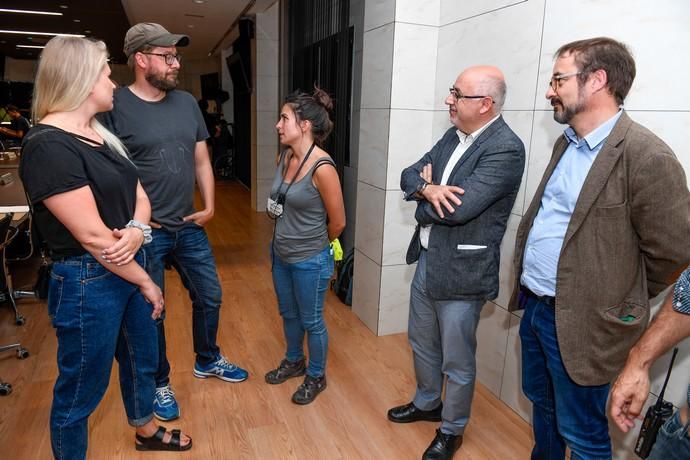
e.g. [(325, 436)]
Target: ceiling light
[(76, 20), (191, 26), (87, 31), (46, 13), (64, 7), (30, 46), (199, 2), (49, 34)]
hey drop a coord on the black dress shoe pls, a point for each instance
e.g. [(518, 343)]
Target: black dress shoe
[(410, 413), (443, 447)]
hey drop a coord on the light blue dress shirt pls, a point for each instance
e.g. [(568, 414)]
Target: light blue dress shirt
[(545, 239)]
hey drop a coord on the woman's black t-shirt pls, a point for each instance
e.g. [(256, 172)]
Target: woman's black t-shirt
[(54, 161)]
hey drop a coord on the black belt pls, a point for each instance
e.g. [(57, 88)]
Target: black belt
[(545, 299)]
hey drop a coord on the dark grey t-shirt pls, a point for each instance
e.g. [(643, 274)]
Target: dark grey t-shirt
[(161, 138), (301, 232)]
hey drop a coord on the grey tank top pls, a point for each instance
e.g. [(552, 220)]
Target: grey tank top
[(301, 232)]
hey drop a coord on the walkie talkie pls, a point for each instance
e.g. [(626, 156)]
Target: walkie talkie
[(655, 417)]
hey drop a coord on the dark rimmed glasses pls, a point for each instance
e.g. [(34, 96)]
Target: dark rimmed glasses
[(556, 80), (170, 59), (457, 95)]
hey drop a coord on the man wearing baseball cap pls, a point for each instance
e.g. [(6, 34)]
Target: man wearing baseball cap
[(164, 131)]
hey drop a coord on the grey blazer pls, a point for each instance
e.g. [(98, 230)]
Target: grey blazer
[(626, 241), (490, 172)]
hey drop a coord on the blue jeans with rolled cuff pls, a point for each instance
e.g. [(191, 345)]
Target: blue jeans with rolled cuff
[(97, 316), (564, 413), (189, 251), (301, 288)]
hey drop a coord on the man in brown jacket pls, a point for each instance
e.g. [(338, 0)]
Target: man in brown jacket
[(606, 230)]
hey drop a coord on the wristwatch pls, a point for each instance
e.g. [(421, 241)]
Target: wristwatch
[(422, 187), (146, 229)]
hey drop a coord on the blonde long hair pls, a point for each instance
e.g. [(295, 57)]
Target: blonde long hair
[(67, 72)]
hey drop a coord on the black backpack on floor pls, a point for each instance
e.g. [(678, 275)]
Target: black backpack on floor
[(343, 282)]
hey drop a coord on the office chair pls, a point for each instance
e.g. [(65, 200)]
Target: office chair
[(6, 235)]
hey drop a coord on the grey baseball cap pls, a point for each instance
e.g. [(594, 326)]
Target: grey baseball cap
[(150, 33)]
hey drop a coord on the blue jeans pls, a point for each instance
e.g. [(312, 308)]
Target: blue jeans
[(443, 337), (97, 315), (300, 288), (673, 441), (563, 412), (189, 251)]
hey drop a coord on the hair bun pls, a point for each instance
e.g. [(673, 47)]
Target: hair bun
[(322, 98)]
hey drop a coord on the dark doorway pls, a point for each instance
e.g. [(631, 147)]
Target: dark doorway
[(239, 67), (320, 53)]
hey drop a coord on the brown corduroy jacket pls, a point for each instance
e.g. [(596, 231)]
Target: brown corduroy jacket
[(628, 235)]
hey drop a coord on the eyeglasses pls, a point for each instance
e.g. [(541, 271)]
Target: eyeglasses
[(555, 81), (457, 95), (170, 59)]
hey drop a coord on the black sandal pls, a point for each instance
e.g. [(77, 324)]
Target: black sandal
[(155, 442)]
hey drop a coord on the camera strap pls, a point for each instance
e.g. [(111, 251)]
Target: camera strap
[(280, 196)]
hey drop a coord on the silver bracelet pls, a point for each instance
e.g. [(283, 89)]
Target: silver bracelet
[(146, 229)]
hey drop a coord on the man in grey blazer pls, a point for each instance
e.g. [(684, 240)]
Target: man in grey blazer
[(465, 187), (606, 230)]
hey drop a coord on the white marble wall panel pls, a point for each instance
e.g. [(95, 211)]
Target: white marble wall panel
[(373, 146), (414, 67), (410, 138), (370, 219), (398, 228), (506, 272), (267, 23), (672, 128), (365, 290), (545, 131), (521, 122), (266, 129), (263, 190), (378, 13), (453, 10), (394, 302), (267, 95), (508, 38), (377, 64), (425, 12), (655, 31), (511, 387), (266, 161), (267, 52), (492, 337), (440, 123)]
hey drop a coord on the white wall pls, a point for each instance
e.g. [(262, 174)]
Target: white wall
[(267, 105), (410, 47)]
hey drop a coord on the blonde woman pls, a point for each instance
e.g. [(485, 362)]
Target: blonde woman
[(91, 209)]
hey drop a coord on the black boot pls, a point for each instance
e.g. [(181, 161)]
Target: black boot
[(309, 389)]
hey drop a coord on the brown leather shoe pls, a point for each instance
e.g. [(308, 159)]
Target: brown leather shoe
[(443, 446), (410, 413)]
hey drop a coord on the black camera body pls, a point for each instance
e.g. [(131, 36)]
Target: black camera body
[(655, 417)]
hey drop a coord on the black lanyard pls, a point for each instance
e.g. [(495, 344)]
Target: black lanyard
[(280, 198)]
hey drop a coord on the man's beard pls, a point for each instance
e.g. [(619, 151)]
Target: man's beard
[(161, 83), (566, 114)]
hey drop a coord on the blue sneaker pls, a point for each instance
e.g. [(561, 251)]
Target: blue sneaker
[(222, 369), (164, 405)]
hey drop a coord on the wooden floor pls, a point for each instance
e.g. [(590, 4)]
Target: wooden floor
[(251, 420)]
